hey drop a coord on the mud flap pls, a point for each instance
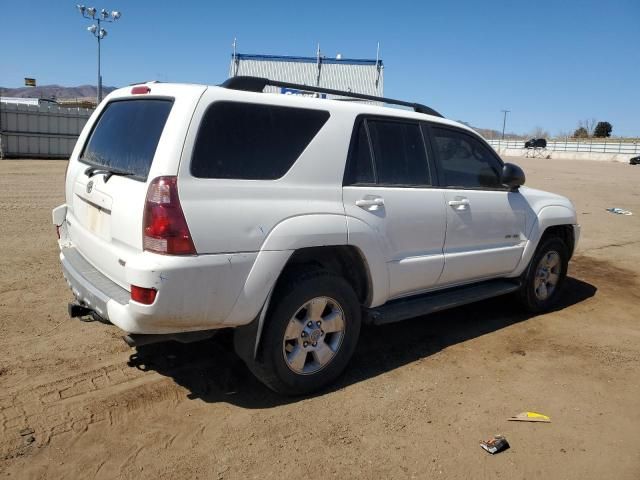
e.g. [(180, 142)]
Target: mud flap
[(246, 338)]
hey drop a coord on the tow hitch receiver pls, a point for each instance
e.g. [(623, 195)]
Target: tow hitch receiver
[(77, 310), (85, 314)]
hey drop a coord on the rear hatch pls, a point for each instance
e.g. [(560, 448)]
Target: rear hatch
[(130, 140)]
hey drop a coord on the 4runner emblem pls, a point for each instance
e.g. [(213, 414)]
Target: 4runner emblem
[(90, 186)]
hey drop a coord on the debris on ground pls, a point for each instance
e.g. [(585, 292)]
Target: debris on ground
[(619, 211), (530, 417), (496, 444), (27, 435)]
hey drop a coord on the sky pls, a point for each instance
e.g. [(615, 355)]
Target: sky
[(551, 63)]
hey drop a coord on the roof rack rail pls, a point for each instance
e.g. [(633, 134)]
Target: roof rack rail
[(146, 81), (257, 84)]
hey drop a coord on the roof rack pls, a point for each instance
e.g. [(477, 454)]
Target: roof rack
[(257, 84), (146, 81)]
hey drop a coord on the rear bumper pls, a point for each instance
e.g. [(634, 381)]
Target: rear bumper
[(194, 293), (89, 286)]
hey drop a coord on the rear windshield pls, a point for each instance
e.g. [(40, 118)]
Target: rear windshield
[(126, 135)]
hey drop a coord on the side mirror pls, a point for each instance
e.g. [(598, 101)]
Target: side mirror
[(512, 176)]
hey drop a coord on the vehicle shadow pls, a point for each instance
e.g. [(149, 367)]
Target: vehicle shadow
[(211, 371)]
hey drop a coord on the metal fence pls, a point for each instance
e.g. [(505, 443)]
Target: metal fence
[(598, 146), (39, 131)]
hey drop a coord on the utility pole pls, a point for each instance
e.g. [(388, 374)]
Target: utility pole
[(504, 121), (98, 32)]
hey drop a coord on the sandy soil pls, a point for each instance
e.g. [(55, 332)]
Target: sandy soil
[(414, 403)]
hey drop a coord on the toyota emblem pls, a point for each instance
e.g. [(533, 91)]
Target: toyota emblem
[(89, 186)]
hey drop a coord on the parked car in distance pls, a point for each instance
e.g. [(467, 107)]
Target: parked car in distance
[(292, 220), (536, 143)]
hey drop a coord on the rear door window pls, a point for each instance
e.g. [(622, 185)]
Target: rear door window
[(399, 153), (252, 141), (126, 135), (387, 153)]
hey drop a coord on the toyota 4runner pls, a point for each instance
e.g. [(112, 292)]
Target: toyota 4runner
[(292, 220)]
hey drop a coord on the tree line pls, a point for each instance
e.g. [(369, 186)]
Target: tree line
[(589, 128)]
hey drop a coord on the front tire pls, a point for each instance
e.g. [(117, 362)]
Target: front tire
[(310, 333), (544, 278)]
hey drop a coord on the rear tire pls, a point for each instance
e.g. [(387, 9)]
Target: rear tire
[(310, 333), (545, 275)]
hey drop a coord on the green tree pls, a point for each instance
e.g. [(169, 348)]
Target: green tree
[(581, 132), (603, 129)]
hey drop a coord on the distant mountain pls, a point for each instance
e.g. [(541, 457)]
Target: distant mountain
[(57, 92)]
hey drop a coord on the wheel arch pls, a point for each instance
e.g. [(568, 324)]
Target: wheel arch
[(346, 261), (556, 220), (279, 245), (564, 232)]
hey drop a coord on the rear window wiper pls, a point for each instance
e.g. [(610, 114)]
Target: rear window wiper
[(108, 172)]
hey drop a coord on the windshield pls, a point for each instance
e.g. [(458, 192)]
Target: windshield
[(126, 135)]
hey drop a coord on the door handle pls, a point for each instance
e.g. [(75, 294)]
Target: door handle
[(370, 203), (459, 204)]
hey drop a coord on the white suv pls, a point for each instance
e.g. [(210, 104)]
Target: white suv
[(194, 208)]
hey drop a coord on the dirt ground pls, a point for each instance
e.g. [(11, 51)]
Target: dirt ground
[(76, 402)]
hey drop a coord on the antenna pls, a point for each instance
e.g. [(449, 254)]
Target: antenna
[(319, 64), (378, 65), (234, 57)]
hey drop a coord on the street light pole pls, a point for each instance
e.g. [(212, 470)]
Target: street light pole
[(98, 32), (99, 75), (504, 121)]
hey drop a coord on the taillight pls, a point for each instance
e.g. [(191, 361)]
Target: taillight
[(143, 295), (165, 229)]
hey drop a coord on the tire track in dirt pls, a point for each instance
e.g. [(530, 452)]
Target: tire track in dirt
[(108, 394), (104, 395)]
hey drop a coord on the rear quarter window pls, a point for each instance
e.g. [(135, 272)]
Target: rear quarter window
[(126, 135), (252, 141)]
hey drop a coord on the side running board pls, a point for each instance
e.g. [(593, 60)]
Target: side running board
[(405, 308)]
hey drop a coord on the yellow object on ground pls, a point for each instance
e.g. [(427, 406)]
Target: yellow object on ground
[(530, 417)]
